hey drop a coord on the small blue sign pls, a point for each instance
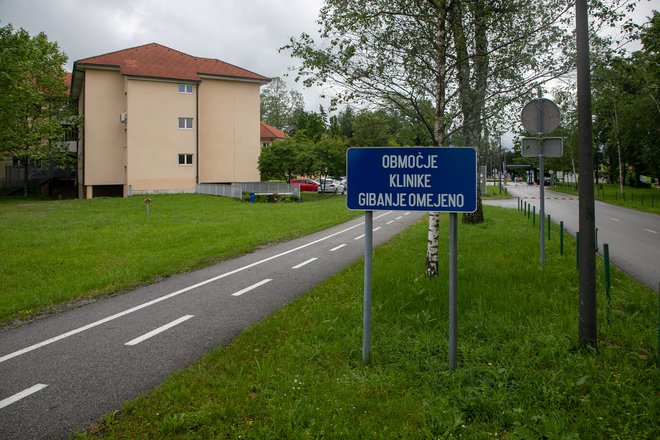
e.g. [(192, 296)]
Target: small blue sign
[(432, 179)]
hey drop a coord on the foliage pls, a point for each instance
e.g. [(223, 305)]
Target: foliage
[(308, 125), (280, 159), (627, 109), (271, 198), (34, 105), (298, 374), (279, 105)]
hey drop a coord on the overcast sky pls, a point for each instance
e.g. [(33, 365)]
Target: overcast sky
[(246, 33)]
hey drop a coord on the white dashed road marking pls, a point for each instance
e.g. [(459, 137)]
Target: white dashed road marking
[(23, 394), (298, 266), (158, 330), (252, 287)]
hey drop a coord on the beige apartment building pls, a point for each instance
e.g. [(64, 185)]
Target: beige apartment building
[(159, 120)]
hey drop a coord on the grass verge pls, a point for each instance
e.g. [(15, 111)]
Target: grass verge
[(641, 199), (299, 374), (494, 192), (53, 252)]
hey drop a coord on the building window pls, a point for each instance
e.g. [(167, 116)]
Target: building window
[(186, 123), (185, 88), (185, 159)]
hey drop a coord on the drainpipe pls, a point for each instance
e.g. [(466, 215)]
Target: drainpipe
[(197, 133)]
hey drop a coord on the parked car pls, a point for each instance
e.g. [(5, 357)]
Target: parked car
[(305, 184), (344, 182), (330, 186)]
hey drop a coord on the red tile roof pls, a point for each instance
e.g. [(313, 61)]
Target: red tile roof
[(67, 81), (270, 132), (157, 61)]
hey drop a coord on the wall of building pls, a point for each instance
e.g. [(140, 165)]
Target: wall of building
[(229, 138), (155, 139), (104, 136)]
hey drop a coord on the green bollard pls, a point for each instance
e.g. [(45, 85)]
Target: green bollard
[(596, 239), (549, 227), (561, 237), (606, 257)]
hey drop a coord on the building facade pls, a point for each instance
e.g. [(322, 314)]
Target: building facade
[(270, 134), (156, 120)]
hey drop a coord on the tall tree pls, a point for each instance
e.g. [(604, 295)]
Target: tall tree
[(280, 159), (34, 102), (470, 58), (279, 104)]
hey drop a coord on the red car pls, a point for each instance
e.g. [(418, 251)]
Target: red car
[(305, 184)]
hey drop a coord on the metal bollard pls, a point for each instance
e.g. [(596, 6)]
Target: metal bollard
[(606, 258)]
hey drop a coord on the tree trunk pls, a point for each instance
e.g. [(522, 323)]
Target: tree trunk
[(618, 150), (432, 246), (472, 88), (439, 129)]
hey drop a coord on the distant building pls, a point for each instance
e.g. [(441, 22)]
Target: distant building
[(159, 120), (269, 134)]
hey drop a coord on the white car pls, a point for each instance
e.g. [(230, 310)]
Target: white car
[(330, 186)]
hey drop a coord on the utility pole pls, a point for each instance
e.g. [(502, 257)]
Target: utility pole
[(587, 331)]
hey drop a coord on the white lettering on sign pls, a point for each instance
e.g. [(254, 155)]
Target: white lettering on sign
[(396, 200), (410, 161), (410, 181)]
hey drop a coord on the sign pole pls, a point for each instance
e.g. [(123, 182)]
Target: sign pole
[(453, 260), (541, 180), (366, 310)]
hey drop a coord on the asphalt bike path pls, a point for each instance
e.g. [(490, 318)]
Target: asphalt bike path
[(60, 374)]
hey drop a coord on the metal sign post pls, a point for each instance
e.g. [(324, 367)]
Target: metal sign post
[(540, 116), (429, 179), (453, 267), (366, 307)]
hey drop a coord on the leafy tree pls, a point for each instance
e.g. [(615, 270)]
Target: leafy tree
[(280, 159), (342, 124), (34, 104), (407, 53), (469, 58), (279, 105), (308, 125), (371, 129)]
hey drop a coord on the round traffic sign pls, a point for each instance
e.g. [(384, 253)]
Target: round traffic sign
[(540, 116)]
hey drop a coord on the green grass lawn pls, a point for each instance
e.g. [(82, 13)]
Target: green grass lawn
[(53, 252), (642, 199), (494, 192), (521, 375)]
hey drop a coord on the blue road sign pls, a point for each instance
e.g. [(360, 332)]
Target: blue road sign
[(433, 179)]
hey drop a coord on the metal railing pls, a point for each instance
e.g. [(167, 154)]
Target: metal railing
[(236, 190)]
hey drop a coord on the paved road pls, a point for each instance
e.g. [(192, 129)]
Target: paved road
[(633, 236), (61, 374)]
